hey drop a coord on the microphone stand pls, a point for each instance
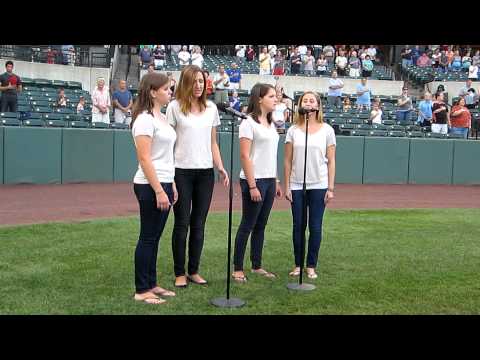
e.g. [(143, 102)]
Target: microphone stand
[(229, 302), (301, 286)]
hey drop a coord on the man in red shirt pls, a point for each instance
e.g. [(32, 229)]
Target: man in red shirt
[(10, 85)]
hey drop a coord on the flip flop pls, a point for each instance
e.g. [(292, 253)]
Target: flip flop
[(150, 299), (197, 282), (295, 272), (265, 273), (164, 292), (239, 279)]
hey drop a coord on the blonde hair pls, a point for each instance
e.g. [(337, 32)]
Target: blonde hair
[(184, 90), (299, 119)]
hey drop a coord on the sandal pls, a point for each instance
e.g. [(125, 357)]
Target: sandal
[(312, 274), (180, 285), (295, 272), (149, 298), (239, 278), (162, 292), (190, 278), (265, 273)]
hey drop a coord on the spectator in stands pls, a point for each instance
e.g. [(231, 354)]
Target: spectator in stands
[(234, 100), (466, 61), (435, 61), (372, 52), (61, 98), (264, 59), (66, 53), (406, 55), (150, 68), (184, 57), (309, 63), (440, 118), (476, 58), (295, 62), (425, 110), (469, 94), (122, 103), (159, 56), (321, 65), (363, 95), (250, 55), (473, 71), (424, 60), (279, 64), (51, 54), (176, 49), (404, 108), (209, 83), (154, 184), (456, 64), (341, 63), (460, 119), (235, 76), (354, 65), (376, 113), (101, 103), (329, 52), (197, 57), (81, 105), (317, 50), (240, 52), (196, 153), (347, 105), (367, 67), (10, 86), (173, 83), (415, 54), (221, 82), (334, 95), (280, 113), (145, 57), (443, 64)]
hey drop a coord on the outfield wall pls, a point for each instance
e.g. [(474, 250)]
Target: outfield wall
[(65, 155)]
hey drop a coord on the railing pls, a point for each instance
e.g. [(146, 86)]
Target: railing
[(41, 54)]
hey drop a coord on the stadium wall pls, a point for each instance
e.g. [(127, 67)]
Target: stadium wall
[(54, 156), (85, 75)]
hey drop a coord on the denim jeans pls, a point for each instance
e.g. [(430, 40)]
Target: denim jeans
[(406, 62), (152, 223), (254, 219), (403, 115), (195, 189), (461, 131), (315, 211)]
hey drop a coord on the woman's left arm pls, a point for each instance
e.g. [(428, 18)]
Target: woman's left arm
[(217, 158), (331, 173)]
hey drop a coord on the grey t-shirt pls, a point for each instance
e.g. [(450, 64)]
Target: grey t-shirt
[(407, 105)]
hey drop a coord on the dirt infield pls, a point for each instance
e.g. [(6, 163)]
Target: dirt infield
[(27, 204)]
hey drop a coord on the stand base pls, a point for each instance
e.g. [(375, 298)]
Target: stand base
[(227, 303), (301, 287)]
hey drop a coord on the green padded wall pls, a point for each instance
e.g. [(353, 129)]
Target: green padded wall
[(349, 159), (466, 162), (87, 155), (280, 157), (32, 155), (125, 162), (385, 160), (430, 161), (1, 155), (224, 144)]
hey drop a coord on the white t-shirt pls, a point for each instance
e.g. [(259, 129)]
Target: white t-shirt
[(372, 52), (163, 140), (225, 84), (278, 115), (193, 149), (184, 57), (197, 59), (302, 50), (336, 92), (377, 119), (473, 72), (341, 62), (240, 50), (263, 151), (317, 170)]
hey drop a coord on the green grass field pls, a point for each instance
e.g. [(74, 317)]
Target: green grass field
[(371, 262)]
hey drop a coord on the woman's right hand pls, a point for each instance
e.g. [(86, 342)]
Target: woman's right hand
[(255, 195), (288, 195), (163, 203)]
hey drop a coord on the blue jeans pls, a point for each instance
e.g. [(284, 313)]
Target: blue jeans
[(403, 115), (254, 219), (461, 131), (152, 223), (406, 62), (315, 210)]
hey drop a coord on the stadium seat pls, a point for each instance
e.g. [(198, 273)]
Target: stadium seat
[(396, 128), (119, 126), (99, 125), (378, 133), (7, 121), (33, 122), (364, 127), (79, 124), (43, 109), (380, 127), (455, 136), (396, 133), (10, 115), (359, 132), (435, 135), (55, 123), (52, 116), (415, 134)]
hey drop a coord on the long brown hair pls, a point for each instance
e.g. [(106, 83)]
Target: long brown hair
[(259, 90), (184, 91), (299, 119), (144, 100)]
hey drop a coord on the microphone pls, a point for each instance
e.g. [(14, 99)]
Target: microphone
[(227, 109), (304, 111)]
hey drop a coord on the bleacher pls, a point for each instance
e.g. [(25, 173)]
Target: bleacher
[(423, 75), (37, 106)]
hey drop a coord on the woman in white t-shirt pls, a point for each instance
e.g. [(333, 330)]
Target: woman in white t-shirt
[(280, 113), (258, 157), (196, 152), (320, 178), (197, 57), (376, 113), (154, 184)]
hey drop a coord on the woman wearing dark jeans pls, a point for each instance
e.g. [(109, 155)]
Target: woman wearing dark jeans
[(196, 152), (320, 178), (258, 155), (153, 183)]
